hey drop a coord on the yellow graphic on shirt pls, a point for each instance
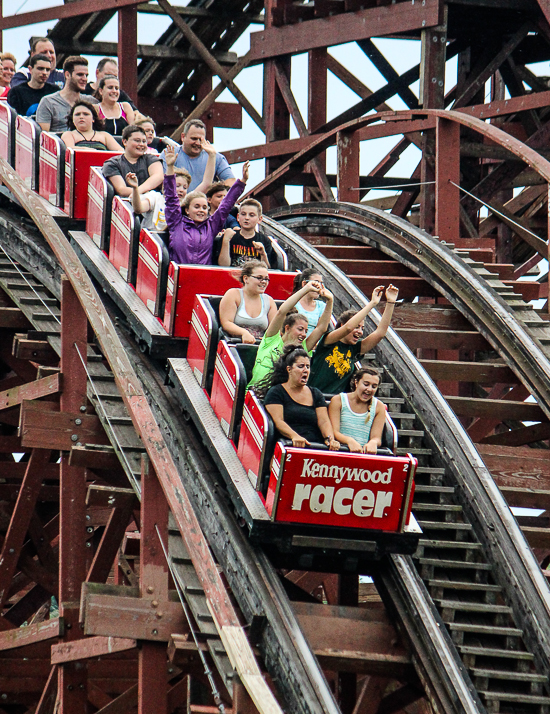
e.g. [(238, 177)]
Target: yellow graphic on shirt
[(340, 363)]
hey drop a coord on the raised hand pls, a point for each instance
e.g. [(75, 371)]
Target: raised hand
[(132, 180), (377, 294), (208, 147), (391, 293), (326, 294), (314, 286), (170, 155), (246, 167)]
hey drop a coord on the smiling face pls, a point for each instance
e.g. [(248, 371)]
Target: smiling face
[(77, 80), (366, 387), (110, 90), (83, 119), (198, 210), (135, 145), (298, 373), (192, 141), (257, 282), (296, 333), (8, 70), (355, 335)]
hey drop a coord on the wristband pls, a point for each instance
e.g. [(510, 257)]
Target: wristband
[(391, 302)]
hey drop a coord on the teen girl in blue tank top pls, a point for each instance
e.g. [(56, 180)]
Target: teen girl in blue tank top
[(358, 417)]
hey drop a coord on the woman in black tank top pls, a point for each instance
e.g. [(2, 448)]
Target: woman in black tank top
[(86, 130)]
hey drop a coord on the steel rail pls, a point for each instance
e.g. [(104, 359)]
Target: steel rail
[(517, 571), (292, 663)]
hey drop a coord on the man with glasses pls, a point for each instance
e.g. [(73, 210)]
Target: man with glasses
[(245, 243)]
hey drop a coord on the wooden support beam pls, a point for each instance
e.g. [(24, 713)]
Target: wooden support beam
[(42, 427), (447, 177), (20, 520), (292, 106), (97, 457), (443, 339), (72, 680), (127, 49), (387, 71), (31, 634), (496, 409), (124, 703), (480, 372), (33, 349), (344, 27), (152, 682), (37, 389), (205, 104), (12, 318), (110, 542), (133, 618), (520, 437), (517, 467), (90, 647), (111, 497), (475, 84), (147, 52), (46, 705), (347, 144), (211, 62)]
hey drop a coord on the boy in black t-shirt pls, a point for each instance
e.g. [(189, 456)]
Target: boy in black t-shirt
[(238, 246)]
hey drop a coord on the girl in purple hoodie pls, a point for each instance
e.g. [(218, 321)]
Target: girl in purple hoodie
[(192, 232)]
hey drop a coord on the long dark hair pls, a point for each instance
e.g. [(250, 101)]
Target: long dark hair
[(304, 276), (292, 318), (279, 373), (97, 123)]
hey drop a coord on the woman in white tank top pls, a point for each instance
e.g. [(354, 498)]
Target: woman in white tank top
[(246, 312), (358, 417)]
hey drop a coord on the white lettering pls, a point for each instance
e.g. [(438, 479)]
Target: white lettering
[(363, 503), (334, 473), (339, 507), (321, 499), (354, 475), (323, 471), (306, 470), (383, 499), (301, 494), (375, 476), (315, 470), (387, 476)]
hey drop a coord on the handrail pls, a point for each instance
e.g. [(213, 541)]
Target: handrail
[(516, 570)]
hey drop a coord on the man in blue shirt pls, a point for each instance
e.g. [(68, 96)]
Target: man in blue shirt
[(41, 45), (193, 158)]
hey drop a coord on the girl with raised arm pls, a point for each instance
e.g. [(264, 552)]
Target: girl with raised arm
[(334, 359), (288, 328)]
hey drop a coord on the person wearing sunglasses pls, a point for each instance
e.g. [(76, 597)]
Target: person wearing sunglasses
[(247, 311)]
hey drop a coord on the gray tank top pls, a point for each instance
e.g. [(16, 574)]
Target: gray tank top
[(256, 325)]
